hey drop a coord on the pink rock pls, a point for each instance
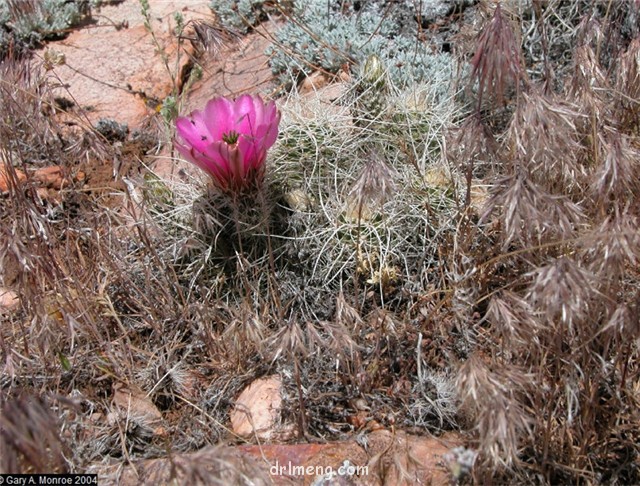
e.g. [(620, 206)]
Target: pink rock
[(240, 67), (131, 403), (380, 458), (113, 70), (257, 409), (51, 176), (8, 300), (4, 178)]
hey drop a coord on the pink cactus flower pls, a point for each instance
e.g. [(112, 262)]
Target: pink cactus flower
[(229, 139)]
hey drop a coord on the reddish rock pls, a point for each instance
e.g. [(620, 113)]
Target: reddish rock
[(8, 300), (313, 83), (4, 178), (132, 404), (113, 69), (257, 410), (52, 177), (382, 458), (379, 458), (240, 67)]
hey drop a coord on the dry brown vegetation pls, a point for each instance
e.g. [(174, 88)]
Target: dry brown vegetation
[(356, 274)]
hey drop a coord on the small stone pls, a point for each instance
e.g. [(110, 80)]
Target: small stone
[(313, 83), (258, 408), (4, 178), (131, 403), (51, 177), (9, 300)]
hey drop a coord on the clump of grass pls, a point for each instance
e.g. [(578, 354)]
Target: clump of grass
[(92, 289), (564, 178), (30, 440)]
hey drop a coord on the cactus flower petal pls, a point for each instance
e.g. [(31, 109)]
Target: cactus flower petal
[(229, 139)]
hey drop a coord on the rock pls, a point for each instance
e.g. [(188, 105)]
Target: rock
[(257, 410), (113, 70), (314, 82), (380, 458), (240, 67), (9, 300), (4, 178), (50, 177), (132, 404)]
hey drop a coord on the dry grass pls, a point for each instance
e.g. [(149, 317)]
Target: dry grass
[(366, 272), (566, 176)]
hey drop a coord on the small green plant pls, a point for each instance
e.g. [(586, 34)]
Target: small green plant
[(26, 23), (169, 109), (243, 15), (326, 36), (330, 35)]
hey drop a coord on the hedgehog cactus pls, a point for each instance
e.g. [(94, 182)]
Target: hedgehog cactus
[(371, 90)]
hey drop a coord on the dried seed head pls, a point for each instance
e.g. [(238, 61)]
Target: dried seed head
[(622, 321), (496, 63), (589, 82), (530, 214), (492, 396), (474, 145), (514, 319), (562, 291), (374, 185), (617, 177), (628, 86), (29, 438), (544, 139), (211, 37), (614, 245)]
